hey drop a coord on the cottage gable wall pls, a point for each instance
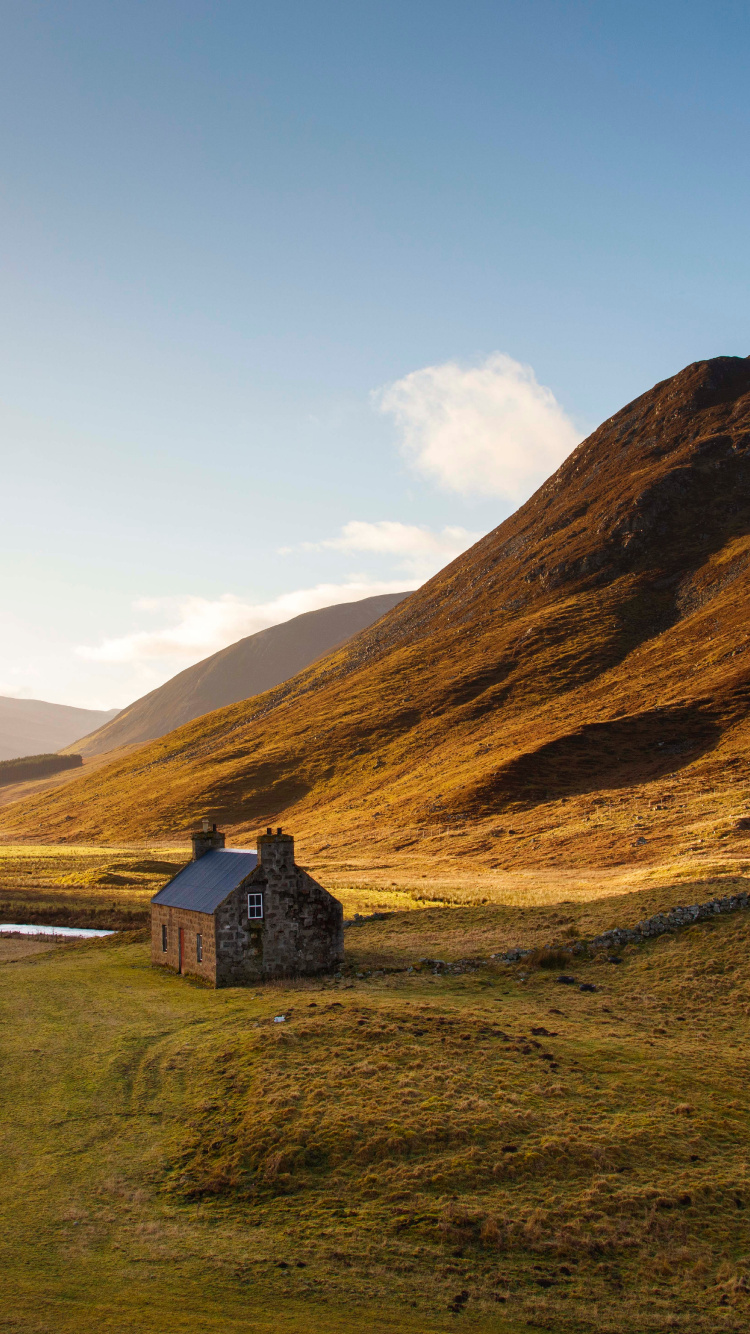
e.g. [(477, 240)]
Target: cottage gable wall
[(302, 928)]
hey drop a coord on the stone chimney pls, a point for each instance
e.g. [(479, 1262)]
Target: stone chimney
[(205, 839), (276, 852)]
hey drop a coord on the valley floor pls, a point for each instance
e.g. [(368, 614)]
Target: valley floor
[(406, 1151)]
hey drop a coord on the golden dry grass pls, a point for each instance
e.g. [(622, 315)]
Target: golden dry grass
[(83, 886)]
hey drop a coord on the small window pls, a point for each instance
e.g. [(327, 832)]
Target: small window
[(254, 906), (199, 947), (164, 941)]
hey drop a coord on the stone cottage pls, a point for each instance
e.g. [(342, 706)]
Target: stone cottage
[(235, 916)]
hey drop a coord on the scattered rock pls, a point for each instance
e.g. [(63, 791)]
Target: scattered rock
[(566, 979), (587, 986)]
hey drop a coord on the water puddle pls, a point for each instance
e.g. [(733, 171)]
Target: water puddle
[(79, 932)]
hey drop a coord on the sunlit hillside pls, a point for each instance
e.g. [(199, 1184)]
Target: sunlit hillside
[(573, 689)]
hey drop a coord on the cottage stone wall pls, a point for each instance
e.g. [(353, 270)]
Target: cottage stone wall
[(302, 928), (301, 931), (192, 923)]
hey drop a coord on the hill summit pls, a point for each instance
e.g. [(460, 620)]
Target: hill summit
[(564, 690)]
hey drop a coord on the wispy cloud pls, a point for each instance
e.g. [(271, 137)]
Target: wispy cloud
[(420, 551), (197, 627), (488, 430)]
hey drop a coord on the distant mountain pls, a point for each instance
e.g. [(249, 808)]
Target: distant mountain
[(246, 668), (33, 727)]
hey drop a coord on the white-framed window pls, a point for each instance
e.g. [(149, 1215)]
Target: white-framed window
[(254, 906), (164, 940), (199, 947)]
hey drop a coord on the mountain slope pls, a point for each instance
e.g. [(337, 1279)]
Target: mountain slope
[(34, 727), (581, 677), (250, 666)]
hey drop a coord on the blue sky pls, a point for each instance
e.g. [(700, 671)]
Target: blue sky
[(271, 273)]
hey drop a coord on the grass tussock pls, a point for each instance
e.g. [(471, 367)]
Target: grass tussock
[(549, 957)]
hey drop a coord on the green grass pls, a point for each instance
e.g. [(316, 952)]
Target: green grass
[(101, 1058), (166, 1148)]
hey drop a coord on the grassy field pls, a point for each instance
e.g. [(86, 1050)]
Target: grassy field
[(406, 1151), (108, 888), (111, 887)]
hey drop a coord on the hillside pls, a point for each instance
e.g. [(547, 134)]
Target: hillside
[(574, 689), (11, 792), (249, 667), (32, 726)]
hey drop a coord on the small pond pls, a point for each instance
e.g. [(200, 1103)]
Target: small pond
[(79, 932)]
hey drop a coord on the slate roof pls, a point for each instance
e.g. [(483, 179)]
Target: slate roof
[(204, 884)]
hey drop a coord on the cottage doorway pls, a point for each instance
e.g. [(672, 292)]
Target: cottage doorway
[(181, 948)]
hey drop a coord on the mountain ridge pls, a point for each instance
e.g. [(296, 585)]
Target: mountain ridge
[(573, 650)]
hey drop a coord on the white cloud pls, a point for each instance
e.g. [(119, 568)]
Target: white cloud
[(422, 551), (487, 430), (202, 626)]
